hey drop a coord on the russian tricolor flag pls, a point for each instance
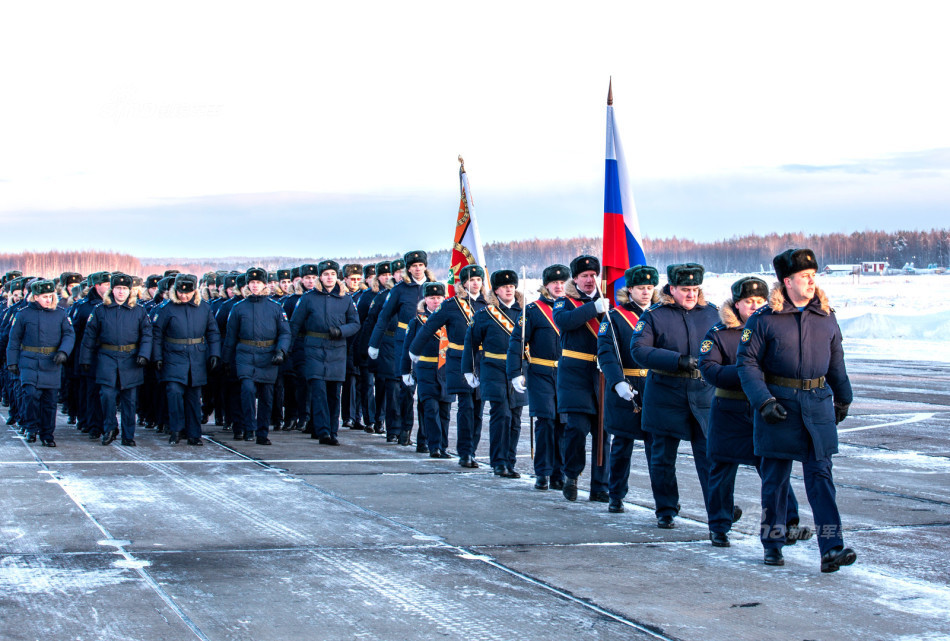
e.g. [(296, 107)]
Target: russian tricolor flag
[(623, 246)]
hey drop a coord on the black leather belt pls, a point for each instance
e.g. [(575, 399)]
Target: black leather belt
[(796, 383), (695, 373), (318, 335), (733, 394), (39, 350), (119, 348), (257, 343), (185, 341)]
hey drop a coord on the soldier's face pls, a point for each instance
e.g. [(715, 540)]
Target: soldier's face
[(184, 297), (506, 294), (102, 288), (748, 305), (641, 294), (801, 286), (417, 271), (45, 300), (382, 279), (16, 296), (686, 296), (473, 285), (353, 282), (556, 288), (151, 291), (397, 277), (310, 281), (256, 287), (120, 294), (433, 302), (587, 281), (286, 285), (273, 286), (328, 278)]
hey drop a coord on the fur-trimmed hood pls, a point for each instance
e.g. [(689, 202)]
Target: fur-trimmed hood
[(421, 308), (623, 297), (338, 289), (32, 299), (375, 286), (571, 291), (778, 298), (545, 294), (728, 315), (462, 293), (407, 278), (667, 298), (491, 299), (172, 295), (131, 301)]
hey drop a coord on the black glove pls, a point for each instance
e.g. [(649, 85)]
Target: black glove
[(841, 411), (772, 412), (335, 332), (84, 367), (14, 369), (687, 363), (278, 358), (59, 358), (141, 361), (159, 364), (214, 362)]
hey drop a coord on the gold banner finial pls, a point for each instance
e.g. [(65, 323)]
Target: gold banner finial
[(610, 92)]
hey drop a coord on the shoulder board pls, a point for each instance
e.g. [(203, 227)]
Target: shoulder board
[(713, 305), (717, 327), (762, 310), (654, 306)]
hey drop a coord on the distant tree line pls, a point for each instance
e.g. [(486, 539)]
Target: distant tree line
[(737, 254)]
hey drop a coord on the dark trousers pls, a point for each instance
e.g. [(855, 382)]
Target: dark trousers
[(366, 390), (72, 396), (621, 453), (504, 430), (435, 416), (722, 484), (820, 489), (666, 494), (290, 396), (379, 393), (184, 409), (89, 392), (349, 405), (406, 414), (574, 447), (277, 407), (325, 407), (217, 387), (468, 423), (38, 410), (304, 403), (548, 433), (393, 415), (108, 395), (240, 422), (256, 400), (17, 411), (149, 394)]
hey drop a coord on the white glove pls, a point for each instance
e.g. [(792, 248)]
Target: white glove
[(472, 380), (409, 381), (602, 304), (414, 358), (518, 383), (625, 390), (373, 352)]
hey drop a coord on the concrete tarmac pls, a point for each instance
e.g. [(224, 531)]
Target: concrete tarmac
[(370, 540)]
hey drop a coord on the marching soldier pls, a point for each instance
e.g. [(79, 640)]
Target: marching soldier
[(323, 319), (367, 379), (90, 408), (455, 316), (256, 342), (278, 415), (543, 348), (157, 410), (41, 338), (491, 332), (676, 399), (791, 366), (349, 401), (186, 342), (19, 289), (117, 343), (230, 383), (308, 278), (624, 380), (435, 403), (577, 315)]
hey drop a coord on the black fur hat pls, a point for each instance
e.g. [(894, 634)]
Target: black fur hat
[(152, 281), (71, 278), (137, 281), (208, 278), (99, 278), (397, 265), (272, 277), (255, 273), (284, 274), (42, 287), (503, 277), (433, 288), (229, 281), (749, 286), (685, 274), (383, 268), (641, 275), (352, 269), (240, 281), (185, 283), (165, 284), (294, 273), (555, 272), (309, 270), (10, 275), (792, 261), (326, 265), (369, 270), (171, 272), (417, 256), (583, 264), (120, 280), (471, 271)]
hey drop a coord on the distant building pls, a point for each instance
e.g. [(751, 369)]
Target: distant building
[(874, 266), (842, 269)]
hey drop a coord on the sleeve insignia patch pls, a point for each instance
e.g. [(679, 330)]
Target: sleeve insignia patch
[(746, 335), (559, 304), (638, 328), (603, 329), (705, 346)]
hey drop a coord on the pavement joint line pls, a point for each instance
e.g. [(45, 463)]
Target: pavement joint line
[(468, 554), (134, 564)]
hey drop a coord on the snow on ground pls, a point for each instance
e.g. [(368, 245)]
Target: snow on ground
[(881, 317)]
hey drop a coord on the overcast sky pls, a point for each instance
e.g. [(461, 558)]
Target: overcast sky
[(324, 129)]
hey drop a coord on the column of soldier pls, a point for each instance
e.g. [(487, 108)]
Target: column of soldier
[(758, 381)]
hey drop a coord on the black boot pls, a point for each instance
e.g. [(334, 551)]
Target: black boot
[(570, 489)]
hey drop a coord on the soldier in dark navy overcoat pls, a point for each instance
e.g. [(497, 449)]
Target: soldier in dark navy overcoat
[(90, 407), (791, 365), (537, 374), (308, 276), (371, 303), (624, 379), (676, 399), (118, 340)]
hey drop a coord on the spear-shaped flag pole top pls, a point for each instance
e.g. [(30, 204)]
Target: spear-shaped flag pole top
[(610, 93), (462, 162)]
